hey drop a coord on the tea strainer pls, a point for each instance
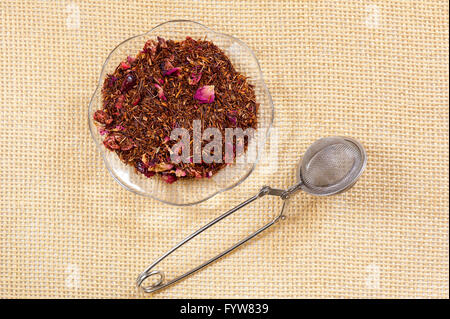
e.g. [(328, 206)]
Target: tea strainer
[(331, 165)]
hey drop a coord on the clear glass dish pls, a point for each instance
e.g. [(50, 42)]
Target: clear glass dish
[(192, 191)]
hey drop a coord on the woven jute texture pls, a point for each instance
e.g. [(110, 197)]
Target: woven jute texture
[(376, 71)]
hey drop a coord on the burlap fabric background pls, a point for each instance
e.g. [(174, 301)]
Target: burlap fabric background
[(373, 70)]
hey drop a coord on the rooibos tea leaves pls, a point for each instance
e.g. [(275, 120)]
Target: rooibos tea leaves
[(172, 85)]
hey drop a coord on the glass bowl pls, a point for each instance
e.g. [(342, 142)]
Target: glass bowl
[(189, 191)]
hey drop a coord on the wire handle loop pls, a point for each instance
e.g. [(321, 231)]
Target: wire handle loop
[(160, 284)]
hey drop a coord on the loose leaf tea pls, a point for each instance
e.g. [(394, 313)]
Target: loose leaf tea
[(169, 85)]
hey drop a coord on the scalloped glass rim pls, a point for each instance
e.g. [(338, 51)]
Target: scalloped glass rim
[(146, 193)]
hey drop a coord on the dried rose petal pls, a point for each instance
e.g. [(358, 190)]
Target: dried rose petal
[(174, 71), (160, 92), (180, 173), (205, 94), (124, 65), (166, 139), (130, 59), (102, 117), (161, 81), (169, 178), (119, 128), (195, 78)]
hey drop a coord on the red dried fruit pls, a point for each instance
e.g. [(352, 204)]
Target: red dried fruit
[(102, 117), (128, 82), (115, 141), (111, 143)]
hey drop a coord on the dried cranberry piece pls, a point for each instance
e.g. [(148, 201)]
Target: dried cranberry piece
[(111, 143), (128, 82), (102, 117)]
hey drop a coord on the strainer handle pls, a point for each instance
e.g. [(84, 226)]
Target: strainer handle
[(160, 284)]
